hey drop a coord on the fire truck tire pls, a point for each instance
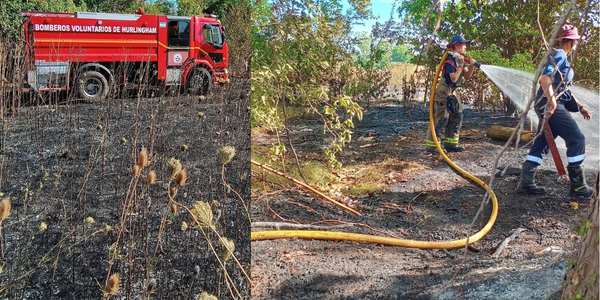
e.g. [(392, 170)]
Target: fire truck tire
[(199, 81), (92, 85)]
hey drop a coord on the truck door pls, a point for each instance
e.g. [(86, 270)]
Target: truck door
[(178, 51)]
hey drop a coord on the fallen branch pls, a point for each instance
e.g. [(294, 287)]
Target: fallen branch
[(305, 186), (507, 240), (279, 225)]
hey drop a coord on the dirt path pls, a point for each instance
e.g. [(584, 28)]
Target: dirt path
[(423, 199)]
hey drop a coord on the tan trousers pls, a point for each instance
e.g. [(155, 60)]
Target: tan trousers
[(442, 119)]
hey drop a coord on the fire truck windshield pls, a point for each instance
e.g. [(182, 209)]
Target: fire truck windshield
[(212, 35)]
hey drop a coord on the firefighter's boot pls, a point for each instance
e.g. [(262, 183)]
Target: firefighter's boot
[(578, 185), (527, 184)]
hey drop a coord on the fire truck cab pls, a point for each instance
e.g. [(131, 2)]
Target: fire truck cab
[(98, 53)]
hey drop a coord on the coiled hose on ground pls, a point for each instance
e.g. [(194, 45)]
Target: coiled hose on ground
[(367, 238)]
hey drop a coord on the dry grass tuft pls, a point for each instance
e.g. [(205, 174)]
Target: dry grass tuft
[(174, 167), (112, 286), (226, 248), (88, 221), (151, 179), (136, 170), (43, 226), (207, 296), (227, 154), (143, 158), (201, 215), (4, 208), (401, 71), (181, 178)]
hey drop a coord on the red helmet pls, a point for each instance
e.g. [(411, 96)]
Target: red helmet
[(568, 32)]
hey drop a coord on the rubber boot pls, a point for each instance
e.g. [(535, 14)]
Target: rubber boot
[(454, 148), (578, 185), (527, 184)]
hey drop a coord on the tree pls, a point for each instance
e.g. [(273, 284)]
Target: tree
[(190, 7), (161, 7), (582, 276), (10, 18), (511, 26), (299, 58), (401, 54), (373, 53)]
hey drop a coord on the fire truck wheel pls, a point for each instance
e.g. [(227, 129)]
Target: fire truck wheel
[(92, 85), (199, 81)]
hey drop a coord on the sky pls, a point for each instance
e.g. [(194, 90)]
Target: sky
[(381, 9)]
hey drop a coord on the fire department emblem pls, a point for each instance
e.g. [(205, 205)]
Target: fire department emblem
[(177, 58)]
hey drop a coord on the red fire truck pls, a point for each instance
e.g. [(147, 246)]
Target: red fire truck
[(94, 53)]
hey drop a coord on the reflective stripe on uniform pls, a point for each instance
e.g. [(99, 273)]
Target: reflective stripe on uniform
[(451, 141), (575, 159), (535, 159), (430, 143)]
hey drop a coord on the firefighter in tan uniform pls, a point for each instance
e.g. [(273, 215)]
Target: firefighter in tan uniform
[(447, 106)]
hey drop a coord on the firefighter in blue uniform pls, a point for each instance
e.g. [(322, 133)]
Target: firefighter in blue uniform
[(448, 107), (554, 83)]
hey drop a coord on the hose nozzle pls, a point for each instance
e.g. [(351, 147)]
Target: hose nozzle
[(467, 60)]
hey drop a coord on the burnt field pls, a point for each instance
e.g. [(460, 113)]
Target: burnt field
[(402, 191), (80, 211)]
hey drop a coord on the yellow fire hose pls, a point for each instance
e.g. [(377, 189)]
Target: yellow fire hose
[(367, 238)]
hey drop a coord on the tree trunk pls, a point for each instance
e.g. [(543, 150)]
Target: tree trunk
[(582, 276), (502, 133)]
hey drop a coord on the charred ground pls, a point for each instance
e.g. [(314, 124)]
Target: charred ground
[(61, 164), (422, 198)]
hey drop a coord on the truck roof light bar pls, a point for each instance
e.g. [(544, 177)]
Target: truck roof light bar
[(30, 14), (107, 16)]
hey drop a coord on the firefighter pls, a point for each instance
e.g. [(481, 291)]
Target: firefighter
[(554, 83), (447, 106)]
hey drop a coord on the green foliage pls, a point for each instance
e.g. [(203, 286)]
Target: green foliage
[(493, 56), (191, 7), (592, 280), (342, 127), (572, 262), (161, 7), (401, 54), (10, 18), (512, 25), (298, 58), (582, 230), (373, 54), (236, 20)]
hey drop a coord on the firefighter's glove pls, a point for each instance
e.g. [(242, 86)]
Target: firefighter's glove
[(452, 104)]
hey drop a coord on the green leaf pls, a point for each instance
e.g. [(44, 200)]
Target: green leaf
[(592, 280)]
